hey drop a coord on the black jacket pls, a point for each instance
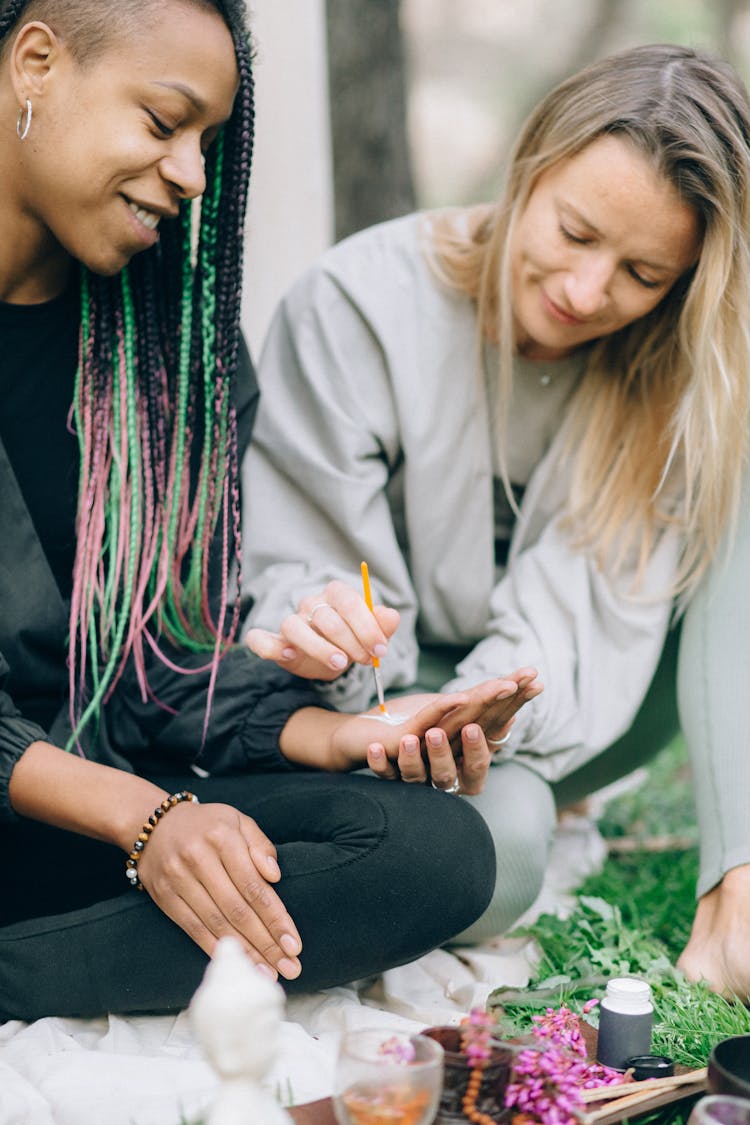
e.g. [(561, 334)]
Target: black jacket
[(253, 699)]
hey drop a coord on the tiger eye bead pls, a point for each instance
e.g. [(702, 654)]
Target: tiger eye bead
[(131, 864)]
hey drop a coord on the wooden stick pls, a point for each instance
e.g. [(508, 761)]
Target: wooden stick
[(640, 1095), (650, 1085)]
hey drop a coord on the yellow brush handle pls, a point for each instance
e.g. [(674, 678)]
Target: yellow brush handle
[(375, 662), (368, 599)]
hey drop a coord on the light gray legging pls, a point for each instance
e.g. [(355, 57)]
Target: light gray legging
[(714, 680), (714, 696)]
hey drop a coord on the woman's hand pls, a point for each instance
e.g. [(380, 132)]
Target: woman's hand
[(208, 867), (329, 631), (438, 764), (494, 711), (449, 748), (211, 870)]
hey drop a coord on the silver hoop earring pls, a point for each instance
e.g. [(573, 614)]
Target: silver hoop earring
[(22, 127)]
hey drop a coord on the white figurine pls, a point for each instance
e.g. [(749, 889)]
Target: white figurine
[(236, 1013)]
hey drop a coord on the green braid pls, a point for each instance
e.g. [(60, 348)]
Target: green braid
[(124, 368)]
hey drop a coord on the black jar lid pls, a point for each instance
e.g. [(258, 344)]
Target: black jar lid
[(650, 1066)]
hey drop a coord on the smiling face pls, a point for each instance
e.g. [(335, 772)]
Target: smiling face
[(601, 240), (116, 142)]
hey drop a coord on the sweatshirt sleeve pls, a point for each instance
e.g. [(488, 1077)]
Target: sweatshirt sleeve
[(324, 455), (16, 733), (595, 637)]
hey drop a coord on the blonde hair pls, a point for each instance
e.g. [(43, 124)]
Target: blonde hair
[(658, 423)]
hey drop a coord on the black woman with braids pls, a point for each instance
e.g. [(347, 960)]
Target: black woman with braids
[(141, 749)]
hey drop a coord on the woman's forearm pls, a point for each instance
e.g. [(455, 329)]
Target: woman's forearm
[(70, 792), (308, 740)]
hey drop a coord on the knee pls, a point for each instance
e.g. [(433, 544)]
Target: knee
[(517, 886), (450, 848), (519, 808)]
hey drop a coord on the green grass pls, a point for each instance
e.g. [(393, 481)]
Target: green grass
[(654, 888), (634, 917), (664, 805)]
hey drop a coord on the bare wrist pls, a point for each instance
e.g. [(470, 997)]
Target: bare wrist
[(311, 738)]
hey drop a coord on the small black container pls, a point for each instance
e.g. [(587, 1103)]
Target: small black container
[(626, 1018), (650, 1066)]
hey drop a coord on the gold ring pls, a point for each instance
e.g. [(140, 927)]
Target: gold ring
[(314, 610)]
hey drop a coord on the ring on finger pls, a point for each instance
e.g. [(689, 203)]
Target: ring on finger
[(314, 610), (497, 741), (454, 787)]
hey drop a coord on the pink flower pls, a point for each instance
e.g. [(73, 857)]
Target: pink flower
[(397, 1049), (476, 1033), (546, 1081)]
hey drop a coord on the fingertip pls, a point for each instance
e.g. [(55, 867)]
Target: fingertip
[(289, 969), (471, 732), (272, 868), (507, 688), (266, 970), (288, 653), (253, 641), (291, 944)]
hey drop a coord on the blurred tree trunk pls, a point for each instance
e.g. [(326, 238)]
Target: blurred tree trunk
[(371, 165), (585, 49), (727, 12)]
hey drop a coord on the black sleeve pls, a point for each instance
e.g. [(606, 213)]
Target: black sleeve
[(252, 701), (16, 733)]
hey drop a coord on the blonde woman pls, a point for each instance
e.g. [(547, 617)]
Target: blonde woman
[(530, 418)]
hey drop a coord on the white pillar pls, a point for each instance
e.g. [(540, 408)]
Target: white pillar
[(290, 207)]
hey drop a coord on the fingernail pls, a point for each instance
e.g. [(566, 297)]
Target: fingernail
[(338, 660), (380, 650), (267, 971), (272, 867), (434, 737), (376, 752), (506, 692), (289, 969), (290, 944), (411, 744), (289, 653), (472, 733)]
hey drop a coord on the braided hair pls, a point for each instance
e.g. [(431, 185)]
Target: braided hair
[(153, 411)]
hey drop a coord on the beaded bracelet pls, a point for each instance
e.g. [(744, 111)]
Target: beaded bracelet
[(131, 864)]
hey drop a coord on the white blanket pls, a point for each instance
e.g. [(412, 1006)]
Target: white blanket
[(150, 1070)]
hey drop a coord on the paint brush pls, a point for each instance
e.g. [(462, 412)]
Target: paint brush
[(375, 661)]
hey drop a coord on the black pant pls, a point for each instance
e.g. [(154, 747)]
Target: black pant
[(374, 874)]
